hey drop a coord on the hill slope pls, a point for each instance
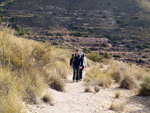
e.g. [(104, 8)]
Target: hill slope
[(125, 23)]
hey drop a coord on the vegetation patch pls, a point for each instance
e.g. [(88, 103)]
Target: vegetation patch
[(145, 87)]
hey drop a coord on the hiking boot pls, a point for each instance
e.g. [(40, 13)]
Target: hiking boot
[(74, 81), (77, 81)]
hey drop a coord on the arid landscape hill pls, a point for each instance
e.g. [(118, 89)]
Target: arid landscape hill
[(125, 23)]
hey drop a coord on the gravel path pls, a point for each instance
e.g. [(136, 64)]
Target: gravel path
[(75, 100)]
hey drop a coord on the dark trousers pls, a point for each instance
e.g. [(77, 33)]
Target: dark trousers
[(81, 72), (76, 73)]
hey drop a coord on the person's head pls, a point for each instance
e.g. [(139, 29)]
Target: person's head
[(77, 52)]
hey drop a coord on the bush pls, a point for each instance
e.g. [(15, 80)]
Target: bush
[(41, 40), (117, 95), (79, 34), (97, 89), (115, 73), (59, 34), (21, 31), (47, 98), (87, 50), (107, 55), (140, 46), (105, 45), (144, 56), (56, 83), (1, 10), (2, 18), (136, 17), (95, 57), (117, 106), (145, 87), (117, 56), (95, 76), (25, 67), (127, 82), (30, 14), (87, 89)]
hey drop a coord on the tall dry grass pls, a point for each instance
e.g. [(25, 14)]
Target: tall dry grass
[(26, 67), (129, 76), (98, 78)]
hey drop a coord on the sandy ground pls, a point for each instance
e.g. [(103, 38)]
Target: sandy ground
[(75, 100)]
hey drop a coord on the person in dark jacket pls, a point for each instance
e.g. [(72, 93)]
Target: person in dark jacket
[(76, 63)]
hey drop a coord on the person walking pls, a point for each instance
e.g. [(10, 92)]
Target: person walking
[(76, 63), (84, 64)]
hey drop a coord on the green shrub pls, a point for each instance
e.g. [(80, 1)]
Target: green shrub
[(117, 56), (30, 14), (145, 87), (87, 50), (59, 34), (1, 10), (136, 17), (107, 55), (144, 56), (140, 46), (105, 45), (95, 57), (41, 40), (140, 53), (21, 31), (79, 34), (2, 18)]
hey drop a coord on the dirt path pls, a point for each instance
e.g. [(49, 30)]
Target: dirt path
[(75, 100)]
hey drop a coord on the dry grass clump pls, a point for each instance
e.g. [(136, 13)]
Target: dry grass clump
[(87, 89), (117, 106), (128, 76), (128, 82), (47, 98), (56, 83), (117, 94), (25, 68), (10, 98), (145, 87), (97, 89), (97, 77)]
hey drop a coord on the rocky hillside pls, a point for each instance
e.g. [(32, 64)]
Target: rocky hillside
[(125, 24)]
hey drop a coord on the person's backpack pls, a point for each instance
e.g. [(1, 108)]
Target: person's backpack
[(82, 55)]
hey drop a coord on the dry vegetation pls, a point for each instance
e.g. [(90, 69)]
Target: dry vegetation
[(96, 77), (87, 89), (128, 76), (26, 70), (117, 94), (117, 106)]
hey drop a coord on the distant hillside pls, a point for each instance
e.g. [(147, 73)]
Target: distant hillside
[(125, 23)]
